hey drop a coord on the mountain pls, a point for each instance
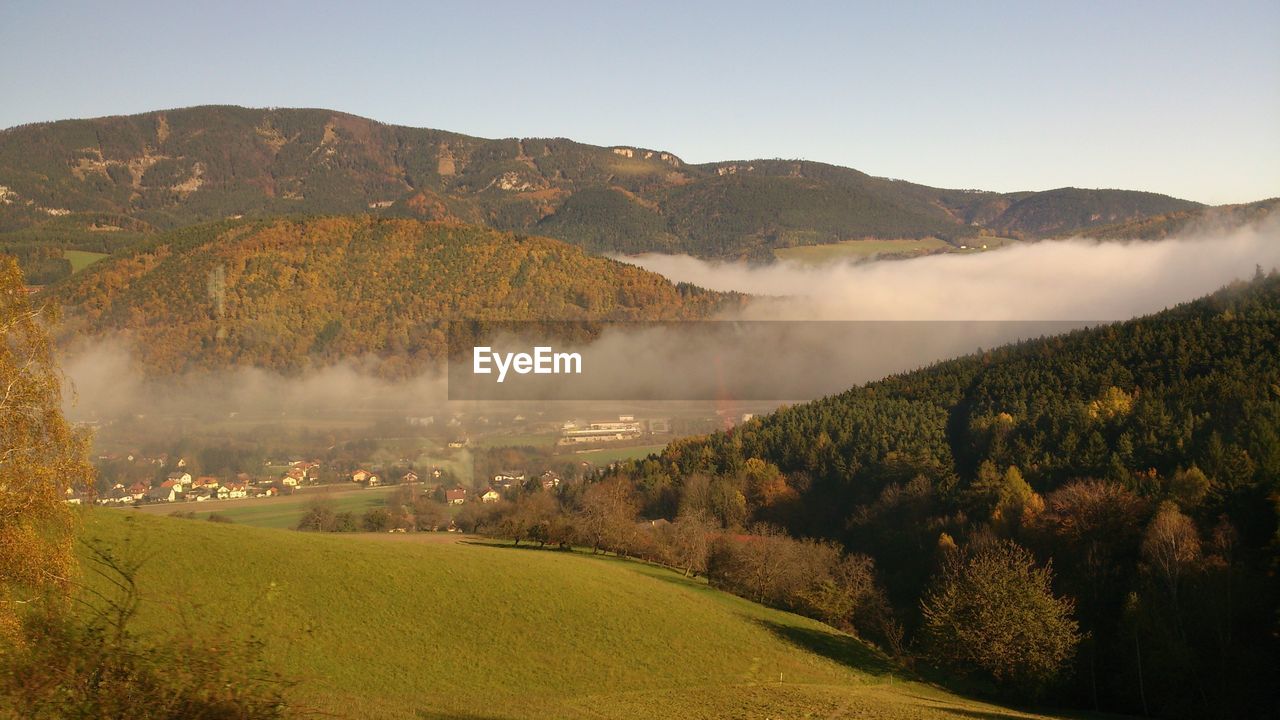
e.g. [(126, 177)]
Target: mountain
[(98, 184), (287, 294), (1096, 449), (1224, 218), (1071, 210)]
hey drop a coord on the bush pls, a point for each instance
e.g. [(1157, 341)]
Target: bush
[(319, 517), (378, 520), (993, 610), (811, 578), (64, 665)]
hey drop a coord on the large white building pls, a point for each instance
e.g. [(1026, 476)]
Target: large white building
[(607, 431)]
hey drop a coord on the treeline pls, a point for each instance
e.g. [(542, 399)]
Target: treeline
[(1140, 461), (990, 610), (809, 577), (407, 509), (41, 264), (39, 247)]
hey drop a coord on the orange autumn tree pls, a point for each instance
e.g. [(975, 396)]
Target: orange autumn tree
[(41, 455)]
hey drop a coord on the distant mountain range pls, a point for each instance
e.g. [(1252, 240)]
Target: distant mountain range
[(103, 183)]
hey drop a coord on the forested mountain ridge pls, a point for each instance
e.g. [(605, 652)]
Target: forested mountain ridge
[(288, 294), (96, 184), (1219, 219), (1141, 459)]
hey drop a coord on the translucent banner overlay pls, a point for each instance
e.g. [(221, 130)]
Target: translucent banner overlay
[(707, 360)]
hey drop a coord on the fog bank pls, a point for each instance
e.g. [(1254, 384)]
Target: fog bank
[(1050, 280), (977, 300)]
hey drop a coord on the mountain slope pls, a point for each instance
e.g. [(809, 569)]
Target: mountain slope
[(289, 294), (1068, 210), (1079, 447), (108, 178), (420, 626), (1221, 219)]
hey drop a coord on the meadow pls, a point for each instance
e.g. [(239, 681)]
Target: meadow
[(854, 250), (424, 626), (277, 512), (537, 440), (81, 259), (606, 455)]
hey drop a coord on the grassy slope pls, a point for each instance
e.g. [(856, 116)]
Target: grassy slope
[(381, 626), (846, 250), (81, 259), (278, 512)]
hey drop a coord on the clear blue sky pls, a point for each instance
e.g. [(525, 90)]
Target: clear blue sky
[(1180, 98)]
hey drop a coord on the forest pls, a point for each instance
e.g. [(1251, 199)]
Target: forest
[(291, 294), (1089, 519)]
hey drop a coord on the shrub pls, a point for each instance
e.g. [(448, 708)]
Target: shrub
[(993, 610)]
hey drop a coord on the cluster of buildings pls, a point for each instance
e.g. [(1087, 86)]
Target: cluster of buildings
[(624, 428), (180, 486), (501, 482)]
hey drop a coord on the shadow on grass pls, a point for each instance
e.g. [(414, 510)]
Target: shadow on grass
[(983, 714), (443, 715), (508, 545), (844, 649), (674, 577)]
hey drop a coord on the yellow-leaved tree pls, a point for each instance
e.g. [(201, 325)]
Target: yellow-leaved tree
[(41, 456)]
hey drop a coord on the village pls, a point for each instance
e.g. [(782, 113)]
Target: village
[(180, 486), (477, 459)]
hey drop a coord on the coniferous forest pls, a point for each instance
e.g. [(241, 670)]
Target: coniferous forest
[(1131, 470)]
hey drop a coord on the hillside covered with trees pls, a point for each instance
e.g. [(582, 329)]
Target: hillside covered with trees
[(1091, 517), (1183, 222), (98, 184), (292, 294)]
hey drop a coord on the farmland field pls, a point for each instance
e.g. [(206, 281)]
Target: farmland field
[(279, 512), (604, 456), (81, 259), (377, 626), (518, 440), (862, 249)]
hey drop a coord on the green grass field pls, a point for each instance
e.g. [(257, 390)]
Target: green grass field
[(420, 626), (604, 456), (277, 512), (81, 259), (863, 249), (524, 440)]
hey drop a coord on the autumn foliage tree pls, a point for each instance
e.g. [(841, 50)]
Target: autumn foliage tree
[(994, 610), (41, 455)]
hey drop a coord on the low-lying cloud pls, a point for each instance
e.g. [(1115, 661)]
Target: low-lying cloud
[(976, 300), (1050, 280)]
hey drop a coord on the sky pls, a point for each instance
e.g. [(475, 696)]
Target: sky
[(1170, 97)]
